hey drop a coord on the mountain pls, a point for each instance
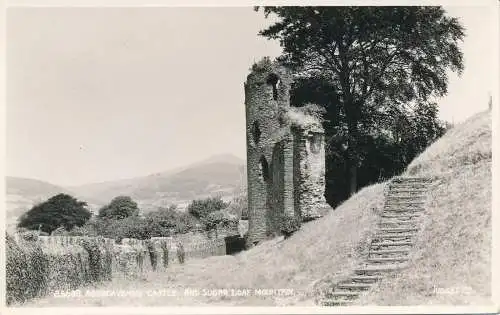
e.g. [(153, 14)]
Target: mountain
[(217, 175)]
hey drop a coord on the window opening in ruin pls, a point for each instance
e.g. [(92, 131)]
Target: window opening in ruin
[(274, 81), (315, 143), (264, 168), (256, 132)]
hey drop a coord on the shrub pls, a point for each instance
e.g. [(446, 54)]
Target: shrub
[(66, 266), (200, 208), (131, 227), (289, 225), (220, 219), (27, 270), (97, 270), (153, 255), (169, 221), (164, 248), (181, 253), (119, 208), (59, 231), (88, 229)]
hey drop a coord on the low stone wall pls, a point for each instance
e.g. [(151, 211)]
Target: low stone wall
[(37, 265)]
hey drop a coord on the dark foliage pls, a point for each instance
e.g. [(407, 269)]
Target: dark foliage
[(26, 269), (119, 208), (61, 210), (164, 248), (376, 71), (200, 208)]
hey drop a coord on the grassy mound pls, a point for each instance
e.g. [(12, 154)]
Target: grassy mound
[(453, 257)]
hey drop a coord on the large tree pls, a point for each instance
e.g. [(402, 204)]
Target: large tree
[(61, 210), (372, 62), (120, 207)]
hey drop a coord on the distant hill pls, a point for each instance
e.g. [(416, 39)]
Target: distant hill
[(24, 193), (217, 175)]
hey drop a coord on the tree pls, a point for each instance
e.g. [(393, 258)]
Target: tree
[(373, 61), (120, 207), (61, 210), (200, 208), (169, 221)]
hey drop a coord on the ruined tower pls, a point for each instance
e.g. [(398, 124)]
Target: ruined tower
[(285, 154)]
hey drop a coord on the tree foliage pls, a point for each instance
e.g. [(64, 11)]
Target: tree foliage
[(200, 208), (119, 208), (61, 210), (160, 223), (170, 221), (374, 69)]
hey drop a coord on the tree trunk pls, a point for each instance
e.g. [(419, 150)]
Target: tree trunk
[(352, 155), (353, 179)]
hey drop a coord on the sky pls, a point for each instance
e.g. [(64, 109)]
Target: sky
[(96, 94)]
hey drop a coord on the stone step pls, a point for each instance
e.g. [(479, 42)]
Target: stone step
[(393, 236), (404, 206), (391, 207), (399, 197), (408, 185), (410, 178), (403, 189), (401, 203), (397, 230), (400, 215), (354, 286), (398, 193), (389, 251), (378, 269), (389, 243), (383, 260), (403, 199), (405, 181), (365, 279), (399, 224), (402, 211)]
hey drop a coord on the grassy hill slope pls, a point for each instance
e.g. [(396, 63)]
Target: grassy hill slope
[(453, 258)]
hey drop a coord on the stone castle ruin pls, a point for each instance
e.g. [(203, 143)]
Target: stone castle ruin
[(285, 154)]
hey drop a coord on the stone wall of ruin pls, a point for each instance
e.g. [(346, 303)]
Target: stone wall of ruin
[(309, 181), (266, 97)]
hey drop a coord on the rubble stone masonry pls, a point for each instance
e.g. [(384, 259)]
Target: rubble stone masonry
[(285, 164)]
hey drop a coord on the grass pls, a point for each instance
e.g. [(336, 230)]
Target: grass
[(453, 257), (451, 265)]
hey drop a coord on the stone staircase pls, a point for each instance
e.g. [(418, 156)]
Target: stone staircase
[(390, 248)]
